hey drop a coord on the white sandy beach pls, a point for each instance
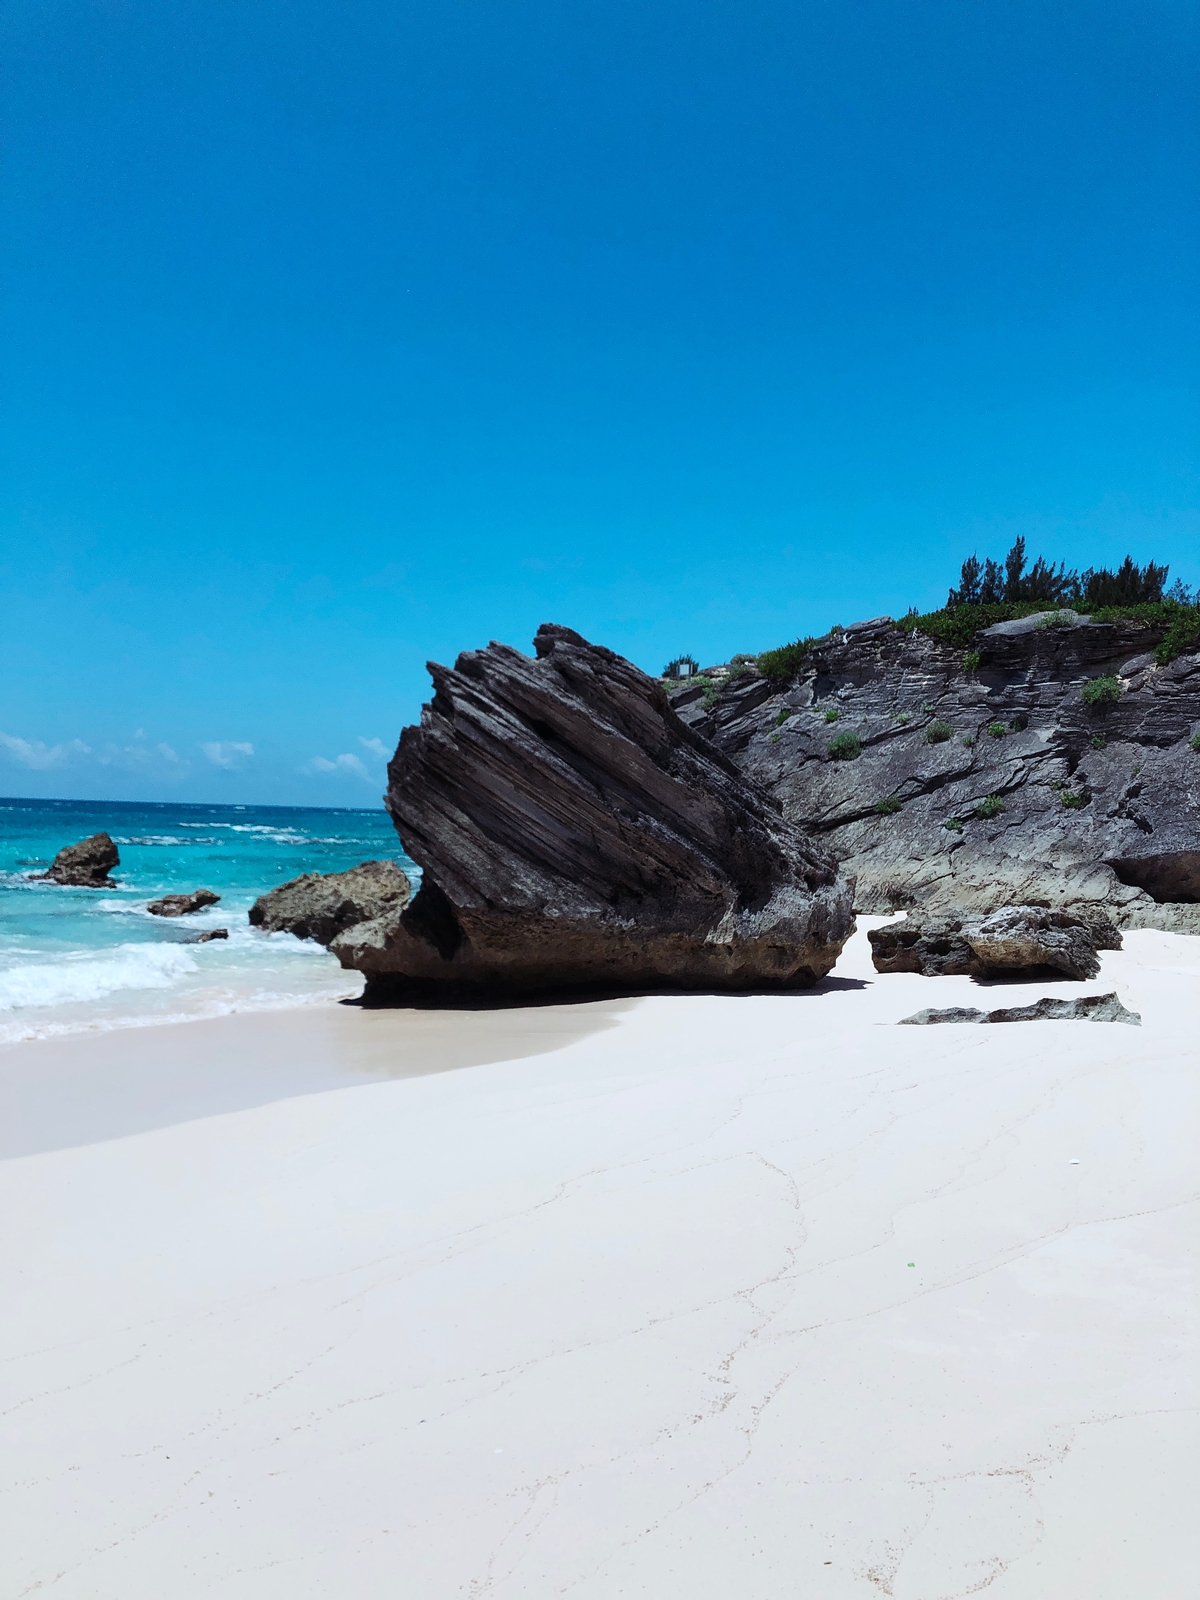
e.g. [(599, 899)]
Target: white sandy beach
[(667, 1297)]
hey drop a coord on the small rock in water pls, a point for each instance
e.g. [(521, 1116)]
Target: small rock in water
[(182, 905), (1088, 1008), (85, 865), (321, 905), (203, 938)]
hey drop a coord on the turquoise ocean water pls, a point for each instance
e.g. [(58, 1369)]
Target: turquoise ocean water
[(78, 959)]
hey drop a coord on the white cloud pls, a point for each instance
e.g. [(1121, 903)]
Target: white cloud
[(140, 758), (41, 757), (345, 763), (33, 753), (227, 753), (375, 746)]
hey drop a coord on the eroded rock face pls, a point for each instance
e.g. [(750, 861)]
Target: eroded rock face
[(1014, 939), (182, 905), (1050, 798), (320, 905), (574, 834), (1087, 1008), (85, 865)]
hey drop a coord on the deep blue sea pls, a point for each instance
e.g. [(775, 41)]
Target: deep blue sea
[(77, 959)]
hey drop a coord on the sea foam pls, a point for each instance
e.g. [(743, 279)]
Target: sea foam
[(87, 975)]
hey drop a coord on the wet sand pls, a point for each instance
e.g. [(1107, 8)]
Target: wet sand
[(89, 1087)]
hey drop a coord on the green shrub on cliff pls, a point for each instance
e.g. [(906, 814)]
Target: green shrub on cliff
[(991, 807), (938, 732), (846, 747), (781, 666), (1100, 691), (889, 805)]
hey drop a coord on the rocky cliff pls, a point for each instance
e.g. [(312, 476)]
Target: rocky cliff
[(1051, 764), (574, 833)]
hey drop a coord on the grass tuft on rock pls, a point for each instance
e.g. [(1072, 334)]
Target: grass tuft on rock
[(991, 807), (889, 805), (938, 732)]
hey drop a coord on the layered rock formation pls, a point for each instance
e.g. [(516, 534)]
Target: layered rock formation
[(321, 906), (1087, 1008), (182, 905), (1017, 939), (574, 834), (85, 865), (989, 784)]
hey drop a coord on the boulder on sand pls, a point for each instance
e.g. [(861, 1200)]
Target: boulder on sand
[(1087, 1008), (1015, 939), (85, 865), (575, 835), (182, 905), (321, 905)]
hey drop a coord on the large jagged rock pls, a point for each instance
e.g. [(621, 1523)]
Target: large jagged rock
[(1002, 943), (85, 865), (1097, 803), (1087, 1008), (574, 835), (322, 905)]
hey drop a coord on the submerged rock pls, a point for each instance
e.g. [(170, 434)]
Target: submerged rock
[(1088, 1008), (984, 778), (322, 905), (182, 905), (207, 937), (1015, 939), (574, 834), (85, 865)]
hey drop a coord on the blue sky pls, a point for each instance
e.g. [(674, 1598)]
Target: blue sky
[(342, 336)]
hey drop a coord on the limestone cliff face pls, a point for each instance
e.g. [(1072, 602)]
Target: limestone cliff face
[(1090, 801), (574, 833)]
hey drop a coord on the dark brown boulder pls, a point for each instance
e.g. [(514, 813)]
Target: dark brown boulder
[(85, 865), (574, 834), (1015, 939), (182, 905), (321, 905), (207, 938)]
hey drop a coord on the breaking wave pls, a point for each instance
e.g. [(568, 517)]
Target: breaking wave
[(90, 975)]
